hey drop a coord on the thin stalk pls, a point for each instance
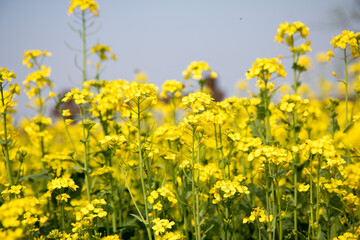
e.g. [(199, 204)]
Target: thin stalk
[(5, 143), (346, 102), (174, 109), (279, 205), (86, 160), (197, 187), (132, 197), (346, 89), (318, 197), (83, 37), (268, 210), (226, 224), (274, 207), (193, 188), (311, 200), (113, 216), (62, 217), (217, 152), (267, 116), (147, 224), (296, 139)]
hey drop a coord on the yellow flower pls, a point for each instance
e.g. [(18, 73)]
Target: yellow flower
[(287, 31), (66, 113), (160, 225), (101, 51), (68, 121), (264, 68), (303, 187), (6, 75), (79, 97), (112, 142), (83, 5), (346, 39), (198, 101), (196, 69), (172, 88), (31, 55), (259, 214)]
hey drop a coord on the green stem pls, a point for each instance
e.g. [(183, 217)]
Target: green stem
[(267, 115), (268, 210), (346, 90), (318, 197), (197, 187), (311, 199), (220, 161), (83, 36), (194, 188), (174, 110), (296, 140), (62, 217), (295, 80), (274, 207), (5, 143), (226, 223), (279, 205), (147, 223), (86, 160)]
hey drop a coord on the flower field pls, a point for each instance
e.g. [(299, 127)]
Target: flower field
[(130, 160)]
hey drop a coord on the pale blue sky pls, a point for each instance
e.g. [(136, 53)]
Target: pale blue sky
[(161, 37)]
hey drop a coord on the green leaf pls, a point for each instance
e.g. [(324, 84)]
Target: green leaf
[(334, 127), (138, 218), (204, 234), (257, 128), (79, 168), (43, 175), (348, 127)]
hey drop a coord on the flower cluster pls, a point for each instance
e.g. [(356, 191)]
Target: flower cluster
[(112, 142), (37, 80), (62, 183), (83, 5), (197, 101), (139, 92), (30, 57), (288, 30), (86, 216), (196, 70), (270, 154), (289, 102), (101, 51), (79, 97), (7, 75), (264, 68), (227, 190), (346, 39), (161, 225), (258, 214), (163, 196), (171, 88)]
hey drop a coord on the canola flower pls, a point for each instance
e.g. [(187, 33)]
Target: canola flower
[(31, 56), (345, 39), (287, 31), (196, 70), (239, 168), (84, 5), (264, 68), (101, 51)]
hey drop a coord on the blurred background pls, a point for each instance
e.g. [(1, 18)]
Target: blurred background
[(162, 37)]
